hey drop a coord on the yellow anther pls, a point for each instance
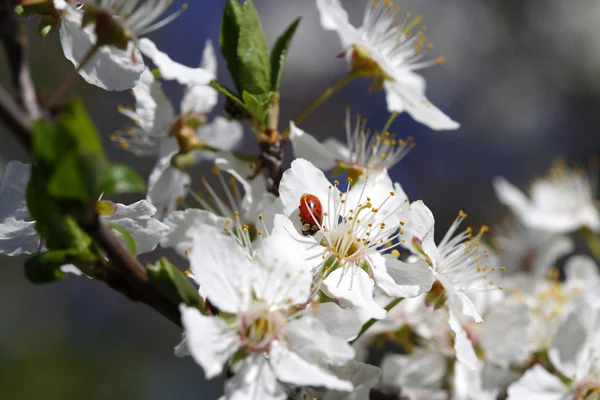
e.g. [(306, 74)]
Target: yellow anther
[(215, 169), (260, 217), (349, 180), (187, 251), (395, 253), (336, 182), (440, 60), (392, 194), (462, 214), (180, 200), (484, 229), (259, 233)]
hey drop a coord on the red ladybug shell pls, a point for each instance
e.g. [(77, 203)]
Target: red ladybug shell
[(311, 213)]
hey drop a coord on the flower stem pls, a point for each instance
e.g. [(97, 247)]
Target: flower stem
[(391, 119), (370, 322), (64, 85), (593, 242), (316, 102)]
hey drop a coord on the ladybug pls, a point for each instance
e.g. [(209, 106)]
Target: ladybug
[(311, 214)]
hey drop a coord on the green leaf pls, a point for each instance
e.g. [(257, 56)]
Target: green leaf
[(128, 238), (122, 179), (229, 37), (279, 52), (49, 143), (76, 122), (45, 267), (253, 74), (173, 284), (79, 176), (223, 90), (257, 105)]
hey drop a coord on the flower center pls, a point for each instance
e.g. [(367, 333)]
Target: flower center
[(259, 328)]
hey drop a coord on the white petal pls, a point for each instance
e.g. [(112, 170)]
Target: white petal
[(291, 368), (537, 384), (462, 344), (354, 285), (303, 177), (208, 339), (467, 306), (166, 183), (581, 268), (285, 278), (312, 250), (201, 99), (421, 226), (338, 150), (417, 105), (71, 269), (334, 17), (339, 322), (504, 334), (549, 252), (171, 70), (137, 219), (60, 5), (153, 111), (569, 342), (363, 376), (222, 267), (12, 190), (182, 349), (254, 380), (309, 336), (185, 224), (110, 68), (510, 196), (18, 237), (420, 369), (399, 279), (221, 133), (307, 147)]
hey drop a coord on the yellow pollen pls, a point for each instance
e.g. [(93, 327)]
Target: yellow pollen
[(260, 217), (226, 229), (501, 268), (349, 180), (484, 228), (392, 194), (180, 200), (215, 169), (336, 182), (187, 251), (462, 214), (123, 145), (440, 60), (402, 223), (187, 272), (395, 253), (259, 233)]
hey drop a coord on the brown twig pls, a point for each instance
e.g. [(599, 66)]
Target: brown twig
[(127, 275)]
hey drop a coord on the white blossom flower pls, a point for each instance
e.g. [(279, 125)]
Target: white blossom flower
[(263, 330), (562, 202), (419, 370), (460, 267), (574, 354), (390, 52), (529, 250), (365, 151), (112, 68), (156, 119), (349, 252), (17, 229), (245, 210)]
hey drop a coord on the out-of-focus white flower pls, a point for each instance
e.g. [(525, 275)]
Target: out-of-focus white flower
[(17, 230), (363, 376), (391, 53), (419, 370), (562, 202), (112, 68), (574, 353), (365, 151), (530, 250), (349, 251), (484, 382), (459, 265), (263, 328)]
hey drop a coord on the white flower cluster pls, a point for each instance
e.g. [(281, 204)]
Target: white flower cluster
[(301, 285)]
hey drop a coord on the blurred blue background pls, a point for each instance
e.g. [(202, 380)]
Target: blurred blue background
[(523, 79)]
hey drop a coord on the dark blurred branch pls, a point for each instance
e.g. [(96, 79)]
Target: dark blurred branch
[(15, 46), (128, 277)]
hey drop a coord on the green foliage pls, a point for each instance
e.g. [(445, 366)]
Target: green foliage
[(253, 54), (69, 173), (128, 238), (122, 179), (279, 52), (255, 73), (258, 105), (173, 284), (45, 267)]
